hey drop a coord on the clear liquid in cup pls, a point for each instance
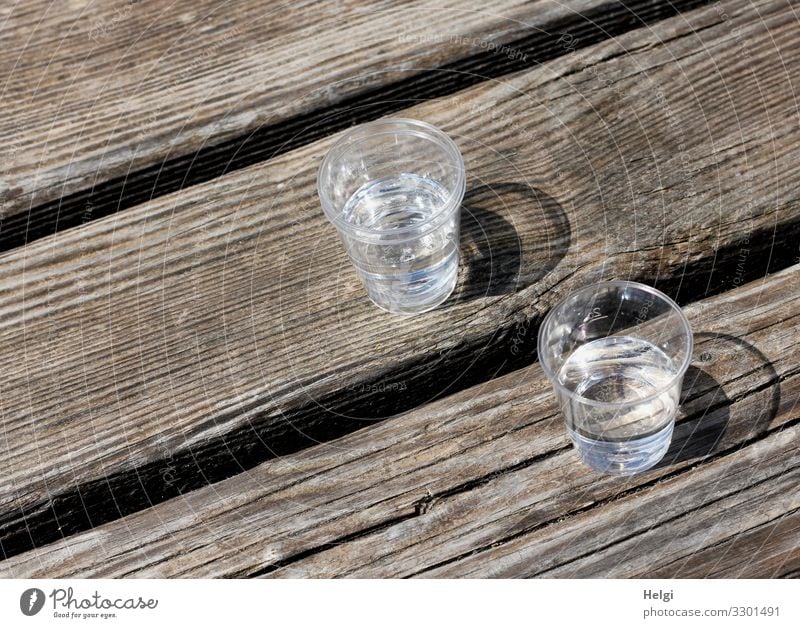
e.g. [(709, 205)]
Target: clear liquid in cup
[(621, 439), (418, 271)]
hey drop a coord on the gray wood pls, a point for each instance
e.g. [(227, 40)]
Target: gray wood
[(162, 329), (556, 519), (93, 91), (486, 482), (633, 536), (765, 551)]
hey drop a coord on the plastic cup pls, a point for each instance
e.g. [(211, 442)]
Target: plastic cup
[(393, 189), (616, 353)]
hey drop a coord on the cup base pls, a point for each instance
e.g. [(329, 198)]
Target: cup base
[(411, 308), (414, 292), (623, 457)]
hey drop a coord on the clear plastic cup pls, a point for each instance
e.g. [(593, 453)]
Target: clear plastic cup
[(393, 189), (616, 353)]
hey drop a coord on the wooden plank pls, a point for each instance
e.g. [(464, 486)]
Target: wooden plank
[(459, 475), (94, 92), (171, 346), (633, 536), (767, 550)]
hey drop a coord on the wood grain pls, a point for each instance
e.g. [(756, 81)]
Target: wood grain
[(486, 481), (633, 536), (122, 91), (176, 344), (555, 518), (764, 551)]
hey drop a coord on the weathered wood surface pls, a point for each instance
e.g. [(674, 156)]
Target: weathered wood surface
[(98, 91), (175, 344), (485, 483), (765, 551), (661, 527)]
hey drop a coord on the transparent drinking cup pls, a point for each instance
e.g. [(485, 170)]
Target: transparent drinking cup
[(393, 189), (616, 353)]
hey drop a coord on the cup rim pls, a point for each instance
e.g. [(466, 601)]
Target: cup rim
[(411, 127), (687, 360)]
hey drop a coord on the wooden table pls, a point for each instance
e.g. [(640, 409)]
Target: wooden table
[(195, 384)]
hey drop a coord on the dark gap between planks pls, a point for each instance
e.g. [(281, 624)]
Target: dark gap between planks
[(475, 360), (609, 20)]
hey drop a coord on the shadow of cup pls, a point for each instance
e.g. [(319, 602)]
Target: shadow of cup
[(512, 235), (722, 364)]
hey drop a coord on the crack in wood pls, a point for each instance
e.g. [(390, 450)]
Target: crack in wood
[(321, 548)]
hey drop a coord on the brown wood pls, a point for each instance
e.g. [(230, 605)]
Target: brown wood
[(486, 482), (174, 328), (93, 91)]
